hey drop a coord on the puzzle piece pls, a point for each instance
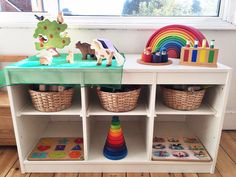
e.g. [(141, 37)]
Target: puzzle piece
[(78, 140), (161, 153), (60, 148), (57, 155), (63, 141), (43, 147), (76, 148), (74, 154), (40, 155)]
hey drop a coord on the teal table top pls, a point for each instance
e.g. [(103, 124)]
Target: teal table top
[(30, 71)]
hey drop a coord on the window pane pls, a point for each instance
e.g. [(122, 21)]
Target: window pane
[(21, 6), (141, 7)]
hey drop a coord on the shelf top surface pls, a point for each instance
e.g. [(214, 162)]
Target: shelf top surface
[(131, 65), (204, 109), (75, 109)]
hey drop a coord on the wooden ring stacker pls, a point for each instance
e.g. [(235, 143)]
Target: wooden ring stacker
[(115, 138), (140, 61), (115, 134)]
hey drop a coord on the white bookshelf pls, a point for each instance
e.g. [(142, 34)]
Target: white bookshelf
[(87, 118)]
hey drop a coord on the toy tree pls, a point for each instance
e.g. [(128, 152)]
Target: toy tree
[(51, 34)]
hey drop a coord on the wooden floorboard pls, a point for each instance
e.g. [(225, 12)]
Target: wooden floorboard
[(8, 157), (229, 145), (90, 175), (217, 174), (138, 175), (161, 175), (15, 171), (42, 175), (114, 175), (66, 175), (225, 166)]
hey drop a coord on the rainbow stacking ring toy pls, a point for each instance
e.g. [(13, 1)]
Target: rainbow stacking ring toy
[(115, 146), (173, 37)]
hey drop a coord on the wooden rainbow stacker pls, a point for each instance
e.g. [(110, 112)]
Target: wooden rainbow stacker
[(199, 56)]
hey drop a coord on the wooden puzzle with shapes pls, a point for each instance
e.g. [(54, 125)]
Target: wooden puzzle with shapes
[(179, 149), (58, 149)]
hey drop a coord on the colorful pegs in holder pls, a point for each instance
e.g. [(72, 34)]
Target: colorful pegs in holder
[(115, 146), (199, 56), (159, 56)]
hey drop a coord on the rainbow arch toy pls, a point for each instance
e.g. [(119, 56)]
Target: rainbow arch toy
[(173, 38)]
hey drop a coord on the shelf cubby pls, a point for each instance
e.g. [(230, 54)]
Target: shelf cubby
[(134, 129), (206, 107), (179, 131), (95, 108), (48, 127), (25, 107)]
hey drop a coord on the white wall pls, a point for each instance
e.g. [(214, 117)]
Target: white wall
[(20, 41)]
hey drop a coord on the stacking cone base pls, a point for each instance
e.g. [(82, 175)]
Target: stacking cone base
[(115, 156)]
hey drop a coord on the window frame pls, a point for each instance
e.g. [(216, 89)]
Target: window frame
[(225, 20)]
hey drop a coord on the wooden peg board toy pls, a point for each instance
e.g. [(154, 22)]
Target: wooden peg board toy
[(199, 56), (58, 149), (179, 149)]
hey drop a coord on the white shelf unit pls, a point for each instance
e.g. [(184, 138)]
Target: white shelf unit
[(87, 118)]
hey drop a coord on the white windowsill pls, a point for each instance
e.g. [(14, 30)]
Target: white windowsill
[(27, 20)]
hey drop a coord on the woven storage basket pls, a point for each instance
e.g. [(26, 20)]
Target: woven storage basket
[(119, 101), (182, 100), (51, 101)]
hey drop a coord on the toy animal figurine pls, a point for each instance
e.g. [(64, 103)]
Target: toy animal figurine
[(85, 49), (39, 18), (101, 53), (45, 61), (60, 18), (105, 49), (45, 58), (70, 57)]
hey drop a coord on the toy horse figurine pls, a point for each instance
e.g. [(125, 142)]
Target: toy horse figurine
[(105, 49)]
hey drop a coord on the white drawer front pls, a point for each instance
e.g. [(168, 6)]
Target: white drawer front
[(191, 78), (138, 78)]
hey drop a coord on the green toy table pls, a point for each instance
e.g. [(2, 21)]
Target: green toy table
[(83, 72)]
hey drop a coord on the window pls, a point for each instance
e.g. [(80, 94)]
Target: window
[(141, 7), (117, 7), (122, 14), (21, 6)]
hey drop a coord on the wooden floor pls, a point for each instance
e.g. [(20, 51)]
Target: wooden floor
[(226, 164)]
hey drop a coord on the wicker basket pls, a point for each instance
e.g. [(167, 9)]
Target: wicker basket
[(51, 101), (119, 101), (182, 100)]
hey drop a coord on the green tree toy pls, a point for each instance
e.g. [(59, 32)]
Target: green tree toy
[(51, 34)]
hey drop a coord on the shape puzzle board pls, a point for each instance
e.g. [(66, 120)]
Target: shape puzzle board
[(179, 149), (58, 149)]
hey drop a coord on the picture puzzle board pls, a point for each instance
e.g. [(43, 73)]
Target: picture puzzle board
[(58, 149), (179, 149)]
